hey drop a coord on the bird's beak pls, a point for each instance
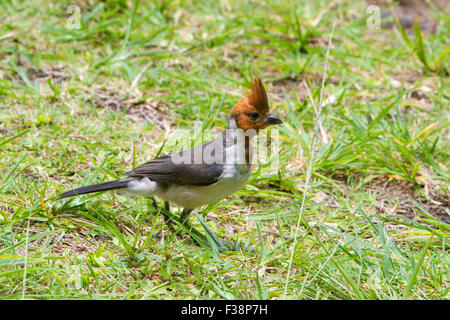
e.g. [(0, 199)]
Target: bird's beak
[(271, 119)]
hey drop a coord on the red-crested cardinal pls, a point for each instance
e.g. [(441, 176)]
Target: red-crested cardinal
[(205, 173)]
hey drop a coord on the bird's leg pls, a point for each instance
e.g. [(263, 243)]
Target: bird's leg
[(167, 219), (184, 220), (184, 215), (155, 205), (164, 212)]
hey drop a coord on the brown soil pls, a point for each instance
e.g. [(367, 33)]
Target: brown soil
[(137, 109), (400, 197), (409, 10), (52, 72)]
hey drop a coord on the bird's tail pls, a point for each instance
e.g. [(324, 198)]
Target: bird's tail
[(110, 185)]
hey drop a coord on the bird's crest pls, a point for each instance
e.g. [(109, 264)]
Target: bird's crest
[(257, 97), (256, 100)]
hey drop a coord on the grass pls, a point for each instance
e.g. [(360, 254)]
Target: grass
[(375, 220)]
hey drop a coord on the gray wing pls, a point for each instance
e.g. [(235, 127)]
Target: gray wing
[(163, 169)]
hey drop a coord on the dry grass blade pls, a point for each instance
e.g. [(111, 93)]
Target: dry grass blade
[(26, 260), (309, 169)]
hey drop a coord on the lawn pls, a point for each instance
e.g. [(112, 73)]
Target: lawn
[(89, 90)]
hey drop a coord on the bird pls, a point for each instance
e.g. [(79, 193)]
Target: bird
[(205, 173)]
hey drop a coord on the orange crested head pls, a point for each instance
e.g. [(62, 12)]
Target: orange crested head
[(252, 112)]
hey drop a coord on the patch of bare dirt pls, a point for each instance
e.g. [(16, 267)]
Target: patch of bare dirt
[(50, 72), (154, 112), (79, 245), (422, 89), (407, 78), (409, 10), (296, 85), (289, 84), (400, 197), (6, 209), (3, 131), (73, 244)]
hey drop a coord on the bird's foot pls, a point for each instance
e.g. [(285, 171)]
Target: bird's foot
[(225, 245), (167, 215), (239, 245), (209, 241)]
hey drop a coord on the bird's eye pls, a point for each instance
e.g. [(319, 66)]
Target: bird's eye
[(253, 115)]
